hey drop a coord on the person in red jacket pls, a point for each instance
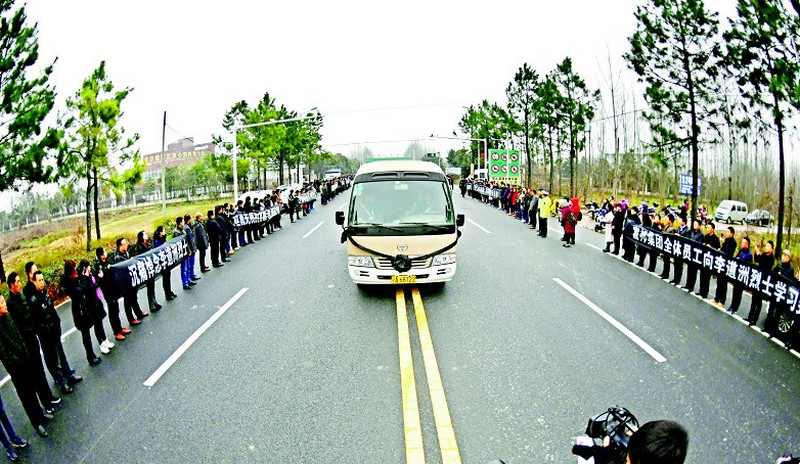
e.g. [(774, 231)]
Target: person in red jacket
[(569, 219)]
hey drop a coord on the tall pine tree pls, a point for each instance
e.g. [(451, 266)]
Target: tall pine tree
[(764, 56), (674, 51), (26, 99)]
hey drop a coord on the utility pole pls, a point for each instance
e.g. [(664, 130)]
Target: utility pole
[(163, 167)]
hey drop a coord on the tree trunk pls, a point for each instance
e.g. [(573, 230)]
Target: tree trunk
[(88, 209), (781, 175), (96, 207), (529, 174), (695, 132), (550, 138), (280, 168)]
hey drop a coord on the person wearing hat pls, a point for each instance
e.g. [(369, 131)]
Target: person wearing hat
[(784, 271), (544, 209)]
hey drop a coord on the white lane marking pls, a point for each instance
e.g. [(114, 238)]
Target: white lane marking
[(625, 331), (478, 226), (342, 206), (193, 338), (314, 229)]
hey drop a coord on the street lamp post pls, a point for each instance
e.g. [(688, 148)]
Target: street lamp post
[(236, 130)]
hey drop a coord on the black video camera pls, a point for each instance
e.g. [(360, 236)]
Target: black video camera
[(607, 435)]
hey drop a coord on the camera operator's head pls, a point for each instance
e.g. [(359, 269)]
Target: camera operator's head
[(658, 442)]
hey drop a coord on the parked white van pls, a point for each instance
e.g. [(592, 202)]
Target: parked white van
[(731, 211)]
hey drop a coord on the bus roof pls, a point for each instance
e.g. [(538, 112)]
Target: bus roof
[(399, 165)]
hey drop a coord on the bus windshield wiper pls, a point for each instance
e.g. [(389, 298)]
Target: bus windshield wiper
[(434, 226), (381, 226)]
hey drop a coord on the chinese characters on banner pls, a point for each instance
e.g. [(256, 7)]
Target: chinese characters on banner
[(771, 286), (136, 271)]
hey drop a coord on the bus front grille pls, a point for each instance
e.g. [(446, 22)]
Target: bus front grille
[(386, 263)]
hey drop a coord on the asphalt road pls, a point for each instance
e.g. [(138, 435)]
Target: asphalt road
[(305, 367)]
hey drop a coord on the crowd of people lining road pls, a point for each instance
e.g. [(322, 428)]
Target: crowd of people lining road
[(30, 324), (617, 220)]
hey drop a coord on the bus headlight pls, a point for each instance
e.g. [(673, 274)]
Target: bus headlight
[(360, 261), (440, 260)]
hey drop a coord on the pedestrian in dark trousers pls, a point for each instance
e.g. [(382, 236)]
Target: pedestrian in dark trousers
[(617, 226), (793, 336), (691, 266), (12, 441), (143, 246), (100, 269), (710, 240), (642, 250), (533, 211), (188, 224), (25, 324), (627, 234), (214, 238), (201, 239), (669, 229), (248, 208), (75, 286), (242, 228), (746, 256), (130, 299), (685, 232), (19, 364), (784, 270), (48, 329), (225, 242), (292, 205), (728, 248), (765, 260), (544, 211), (160, 238)]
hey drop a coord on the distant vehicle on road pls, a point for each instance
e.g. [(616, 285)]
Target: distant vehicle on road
[(760, 217), (255, 195), (731, 211), (401, 224), (332, 173)]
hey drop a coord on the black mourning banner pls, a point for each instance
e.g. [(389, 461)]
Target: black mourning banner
[(136, 271), (490, 192), (772, 286), (242, 219)]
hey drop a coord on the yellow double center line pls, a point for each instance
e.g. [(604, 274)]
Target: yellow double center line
[(415, 452)]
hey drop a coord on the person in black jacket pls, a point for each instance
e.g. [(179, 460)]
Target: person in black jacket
[(143, 246), (617, 224), (685, 232), (24, 322), (728, 248), (765, 260), (710, 240), (75, 285), (225, 250), (215, 235), (20, 365), (129, 299), (48, 329), (691, 267), (201, 239), (160, 238), (628, 244), (100, 267), (785, 271)]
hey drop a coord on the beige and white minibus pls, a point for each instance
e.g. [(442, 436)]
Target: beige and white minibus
[(401, 227)]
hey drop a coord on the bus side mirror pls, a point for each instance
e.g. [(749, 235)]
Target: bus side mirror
[(460, 220), (340, 218)]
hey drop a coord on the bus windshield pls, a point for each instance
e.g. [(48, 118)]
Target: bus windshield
[(401, 203)]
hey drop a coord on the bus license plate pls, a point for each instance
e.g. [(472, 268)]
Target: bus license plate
[(402, 279)]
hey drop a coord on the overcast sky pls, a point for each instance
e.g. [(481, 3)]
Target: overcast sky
[(377, 72)]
